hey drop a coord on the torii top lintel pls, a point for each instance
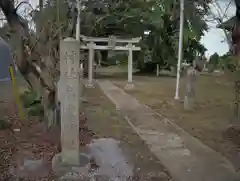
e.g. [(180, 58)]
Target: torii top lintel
[(117, 40)]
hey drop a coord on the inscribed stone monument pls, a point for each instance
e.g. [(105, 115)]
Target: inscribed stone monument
[(69, 76)]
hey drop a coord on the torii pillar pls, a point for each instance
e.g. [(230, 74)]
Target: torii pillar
[(130, 84)]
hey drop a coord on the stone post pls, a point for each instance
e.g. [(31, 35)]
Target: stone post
[(158, 70), (130, 84), (69, 91), (189, 96), (81, 79), (90, 64)]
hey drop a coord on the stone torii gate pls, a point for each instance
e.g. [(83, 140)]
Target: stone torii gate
[(91, 46)]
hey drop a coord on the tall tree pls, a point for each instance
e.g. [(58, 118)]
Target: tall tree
[(236, 53), (38, 54)]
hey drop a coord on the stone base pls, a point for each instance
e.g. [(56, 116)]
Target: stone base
[(71, 172), (89, 85), (129, 86)]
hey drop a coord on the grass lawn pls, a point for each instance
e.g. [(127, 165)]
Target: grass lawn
[(209, 119)]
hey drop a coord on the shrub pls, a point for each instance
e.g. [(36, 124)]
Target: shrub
[(32, 102)]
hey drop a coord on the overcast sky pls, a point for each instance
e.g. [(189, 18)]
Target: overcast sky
[(214, 39)]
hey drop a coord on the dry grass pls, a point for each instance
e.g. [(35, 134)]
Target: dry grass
[(208, 120)]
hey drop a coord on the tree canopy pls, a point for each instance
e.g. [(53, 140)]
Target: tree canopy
[(157, 21)]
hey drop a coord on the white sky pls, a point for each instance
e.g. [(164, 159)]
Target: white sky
[(214, 39), (34, 3)]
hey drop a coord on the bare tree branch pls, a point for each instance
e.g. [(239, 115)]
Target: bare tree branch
[(220, 17)]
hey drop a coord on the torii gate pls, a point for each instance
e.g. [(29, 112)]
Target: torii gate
[(112, 41)]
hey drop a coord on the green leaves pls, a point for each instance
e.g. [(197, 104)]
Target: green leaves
[(155, 18), (32, 103), (131, 18), (29, 98)]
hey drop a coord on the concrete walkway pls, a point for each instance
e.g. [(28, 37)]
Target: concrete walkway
[(185, 157)]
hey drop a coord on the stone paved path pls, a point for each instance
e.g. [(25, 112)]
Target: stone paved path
[(186, 158)]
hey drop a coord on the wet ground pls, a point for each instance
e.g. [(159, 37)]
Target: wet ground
[(110, 158)]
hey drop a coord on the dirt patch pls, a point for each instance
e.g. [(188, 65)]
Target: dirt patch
[(27, 141), (32, 143), (23, 139), (105, 121)]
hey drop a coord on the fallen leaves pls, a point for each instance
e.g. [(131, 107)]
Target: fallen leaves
[(28, 139)]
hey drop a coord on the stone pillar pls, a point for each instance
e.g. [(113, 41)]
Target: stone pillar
[(69, 91), (189, 97), (81, 78), (90, 64), (204, 66), (158, 70), (130, 84)]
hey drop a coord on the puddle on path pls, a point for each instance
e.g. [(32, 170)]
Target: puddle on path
[(113, 163)]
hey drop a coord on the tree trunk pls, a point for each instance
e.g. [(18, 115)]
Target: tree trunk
[(236, 52), (104, 56), (38, 20), (237, 100), (39, 68), (40, 5)]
